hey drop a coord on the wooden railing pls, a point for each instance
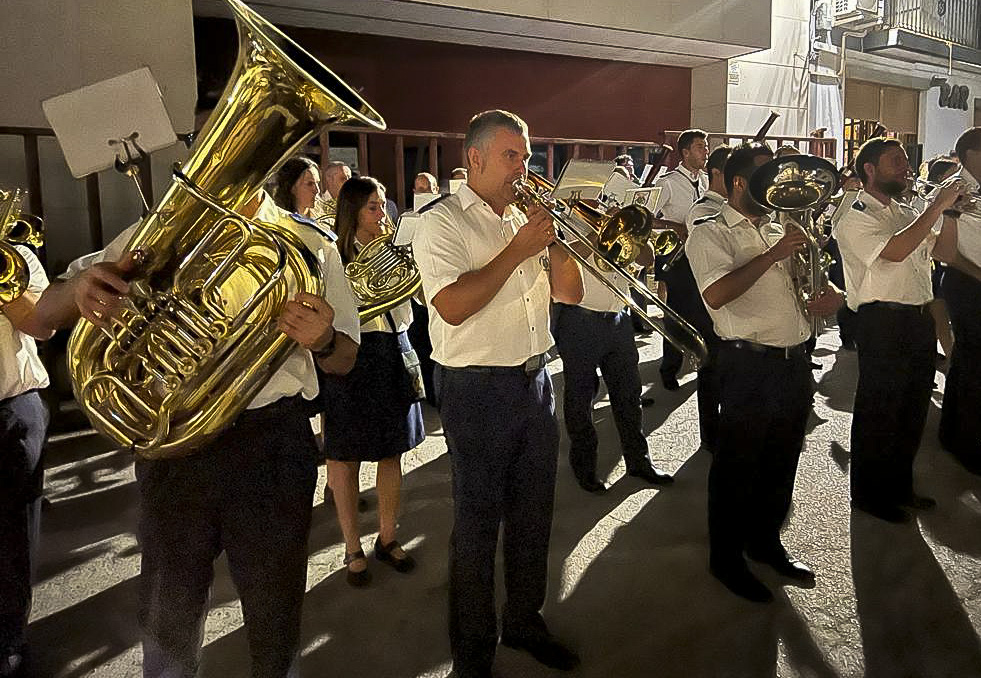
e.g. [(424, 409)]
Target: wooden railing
[(821, 147), (602, 149)]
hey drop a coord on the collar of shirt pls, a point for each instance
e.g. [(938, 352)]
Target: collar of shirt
[(972, 183), (468, 199), (712, 196), (877, 209), (688, 174), (734, 218)]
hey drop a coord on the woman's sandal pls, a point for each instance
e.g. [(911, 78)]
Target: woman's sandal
[(357, 579), (383, 552)]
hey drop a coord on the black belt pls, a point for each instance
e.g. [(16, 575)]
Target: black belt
[(896, 306), (785, 352), (531, 366)]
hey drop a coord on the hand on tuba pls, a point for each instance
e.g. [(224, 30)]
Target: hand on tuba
[(308, 320), (826, 303), (100, 291)]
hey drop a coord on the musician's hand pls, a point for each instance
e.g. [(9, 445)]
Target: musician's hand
[(826, 303), (949, 193), (535, 235), (308, 320), (792, 241), (100, 290)]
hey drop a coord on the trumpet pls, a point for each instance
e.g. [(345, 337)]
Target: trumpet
[(969, 204), (581, 222)]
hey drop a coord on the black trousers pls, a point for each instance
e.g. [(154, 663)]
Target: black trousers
[(896, 367), (960, 420), (709, 392), (249, 493), (588, 340), (766, 399), (503, 439), (23, 424), (685, 300)]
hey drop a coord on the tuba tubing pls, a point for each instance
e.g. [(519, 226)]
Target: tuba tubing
[(197, 338), (686, 339)]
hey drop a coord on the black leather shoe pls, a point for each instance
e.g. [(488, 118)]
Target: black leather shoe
[(357, 579), (918, 502), (647, 401), (383, 553), (651, 475), (545, 649), (591, 485), (670, 383), (738, 579), (785, 566), (888, 512)]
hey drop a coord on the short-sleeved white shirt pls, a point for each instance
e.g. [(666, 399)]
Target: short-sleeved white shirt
[(20, 367), (298, 373), (706, 206), (461, 234), (598, 297), (679, 192), (768, 312), (862, 233), (969, 226)]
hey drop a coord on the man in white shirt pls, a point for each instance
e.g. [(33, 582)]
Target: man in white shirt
[(23, 424), (597, 333), (960, 423), (249, 492), (680, 189), (886, 248), (739, 261), (709, 205), (489, 272)]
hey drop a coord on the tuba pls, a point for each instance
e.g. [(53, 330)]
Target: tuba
[(197, 338), (383, 275), (586, 224), (795, 186), (16, 228)]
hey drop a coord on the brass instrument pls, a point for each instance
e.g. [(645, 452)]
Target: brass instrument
[(325, 211), (16, 228), (383, 275), (794, 186), (197, 338), (581, 222), (970, 204)]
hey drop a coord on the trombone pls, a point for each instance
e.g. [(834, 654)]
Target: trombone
[(584, 222), (969, 204)]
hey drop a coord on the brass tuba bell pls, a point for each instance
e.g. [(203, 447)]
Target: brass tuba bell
[(16, 228), (198, 338)]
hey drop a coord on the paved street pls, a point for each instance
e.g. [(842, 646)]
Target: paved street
[(629, 588)]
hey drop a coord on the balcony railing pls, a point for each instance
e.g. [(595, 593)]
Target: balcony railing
[(955, 21)]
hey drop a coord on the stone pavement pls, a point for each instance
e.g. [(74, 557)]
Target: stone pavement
[(629, 587)]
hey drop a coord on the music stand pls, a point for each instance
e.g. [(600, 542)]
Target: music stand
[(114, 123), (583, 179)]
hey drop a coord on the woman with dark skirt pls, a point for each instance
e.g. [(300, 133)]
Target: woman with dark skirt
[(373, 413)]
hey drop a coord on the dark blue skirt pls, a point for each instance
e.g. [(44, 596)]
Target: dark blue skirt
[(369, 414)]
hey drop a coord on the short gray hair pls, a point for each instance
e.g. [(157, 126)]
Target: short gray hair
[(483, 126)]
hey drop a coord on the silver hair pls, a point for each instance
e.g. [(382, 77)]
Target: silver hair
[(484, 125)]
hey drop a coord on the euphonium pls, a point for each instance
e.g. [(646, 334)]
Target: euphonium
[(579, 222), (198, 338), (794, 186), (383, 275), (16, 228)]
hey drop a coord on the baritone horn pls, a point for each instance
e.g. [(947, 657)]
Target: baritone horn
[(197, 337), (16, 228), (578, 221)]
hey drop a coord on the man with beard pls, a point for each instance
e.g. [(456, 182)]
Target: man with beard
[(740, 263), (886, 248)]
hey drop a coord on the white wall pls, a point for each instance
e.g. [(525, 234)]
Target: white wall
[(940, 127), (775, 79), (54, 46)]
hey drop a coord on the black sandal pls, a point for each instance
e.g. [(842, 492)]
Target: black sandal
[(357, 579), (383, 552)]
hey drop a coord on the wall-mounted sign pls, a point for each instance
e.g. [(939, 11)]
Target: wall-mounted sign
[(734, 73), (954, 96)]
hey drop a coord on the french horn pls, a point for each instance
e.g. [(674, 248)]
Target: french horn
[(16, 228)]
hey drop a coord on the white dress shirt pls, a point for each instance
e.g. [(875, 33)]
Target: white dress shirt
[(862, 233), (766, 313), (461, 234), (969, 225), (298, 373), (709, 204), (680, 188), (598, 297), (20, 368)]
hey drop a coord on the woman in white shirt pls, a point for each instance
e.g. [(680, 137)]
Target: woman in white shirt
[(373, 412)]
